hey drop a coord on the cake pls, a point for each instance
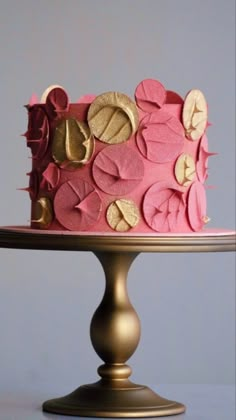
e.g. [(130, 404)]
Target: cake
[(112, 164)]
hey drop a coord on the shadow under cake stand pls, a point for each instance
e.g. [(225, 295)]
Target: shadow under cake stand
[(115, 326)]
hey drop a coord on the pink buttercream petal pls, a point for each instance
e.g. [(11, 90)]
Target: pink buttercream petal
[(150, 95)]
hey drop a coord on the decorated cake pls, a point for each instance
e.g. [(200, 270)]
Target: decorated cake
[(109, 163)]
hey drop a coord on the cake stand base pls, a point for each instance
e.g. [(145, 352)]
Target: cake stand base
[(115, 326), (103, 399)]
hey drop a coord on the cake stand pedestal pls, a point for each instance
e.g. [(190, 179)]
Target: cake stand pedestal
[(115, 326)]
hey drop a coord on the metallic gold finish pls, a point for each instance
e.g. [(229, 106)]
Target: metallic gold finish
[(115, 334), (115, 327), (113, 117), (42, 213), (185, 169), (195, 114), (73, 144), (123, 215)]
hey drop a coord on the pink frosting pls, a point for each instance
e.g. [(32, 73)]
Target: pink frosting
[(33, 100), (140, 170), (164, 207), (197, 206), (150, 95), (118, 169), (77, 205), (160, 137), (86, 99)]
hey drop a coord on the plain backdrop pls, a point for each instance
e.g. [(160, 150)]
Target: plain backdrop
[(186, 303)]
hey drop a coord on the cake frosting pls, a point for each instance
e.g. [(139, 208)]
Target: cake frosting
[(109, 163)]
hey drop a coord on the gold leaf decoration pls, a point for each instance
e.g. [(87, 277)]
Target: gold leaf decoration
[(73, 144), (195, 114), (42, 213), (185, 169), (122, 215), (113, 117)]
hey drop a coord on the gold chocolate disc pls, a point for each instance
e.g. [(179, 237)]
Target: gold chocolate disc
[(42, 213), (195, 114), (73, 144), (185, 169), (113, 117), (122, 215)]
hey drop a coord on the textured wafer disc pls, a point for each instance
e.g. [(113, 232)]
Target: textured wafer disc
[(77, 205), (118, 169), (150, 95)]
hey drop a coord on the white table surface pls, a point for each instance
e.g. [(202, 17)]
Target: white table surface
[(204, 402)]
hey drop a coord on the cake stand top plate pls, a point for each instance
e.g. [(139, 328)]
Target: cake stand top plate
[(209, 240)]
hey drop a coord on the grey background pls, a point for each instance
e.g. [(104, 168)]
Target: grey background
[(185, 302)]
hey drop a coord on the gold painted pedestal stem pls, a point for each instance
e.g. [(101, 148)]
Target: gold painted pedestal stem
[(115, 334), (115, 327)]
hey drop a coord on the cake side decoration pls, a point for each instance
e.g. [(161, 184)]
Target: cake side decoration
[(160, 137), (185, 169), (197, 206), (73, 144), (150, 95), (164, 207), (123, 215), (57, 102), (113, 117), (117, 170), (195, 114), (50, 177), (82, 207), (108, 163), (37, 134), (173, 98), (42, 213), (202, 159)]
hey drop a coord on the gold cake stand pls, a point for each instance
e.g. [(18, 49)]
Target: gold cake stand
[(115, 326)]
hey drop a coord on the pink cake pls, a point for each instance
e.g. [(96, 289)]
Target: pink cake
[(109, 163)]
